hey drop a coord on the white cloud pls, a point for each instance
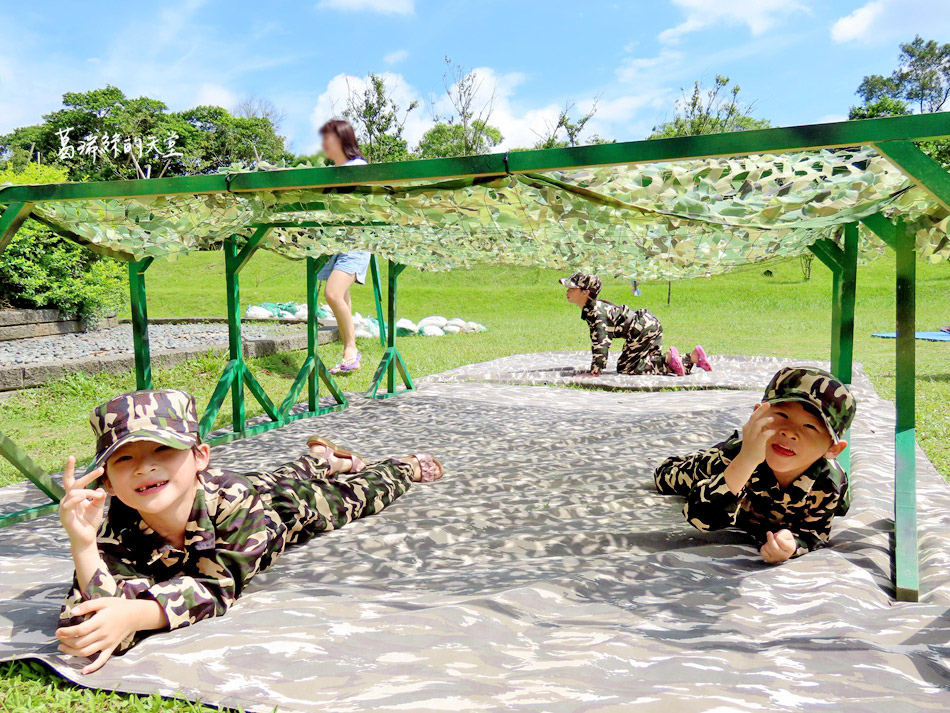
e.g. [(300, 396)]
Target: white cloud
[(215, 95), (758, 15), (383, 7), (396, 57), (883, 21), (639, 69), (851, 27)]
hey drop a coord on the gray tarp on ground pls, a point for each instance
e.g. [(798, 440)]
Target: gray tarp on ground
[(543, 574)]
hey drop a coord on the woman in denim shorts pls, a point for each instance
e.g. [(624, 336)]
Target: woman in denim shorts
[(343, 269)]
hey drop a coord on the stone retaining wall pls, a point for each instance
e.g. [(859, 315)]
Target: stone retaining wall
[(13, 378), (26, 323)]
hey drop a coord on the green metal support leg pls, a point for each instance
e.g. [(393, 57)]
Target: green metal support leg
[(377, 295), (905, 506), (843, 263), (392, 359), (237, 375), (235, 345), (36, 475), (906, 565), (143, 359)]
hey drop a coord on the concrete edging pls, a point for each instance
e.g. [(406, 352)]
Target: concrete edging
[(18, 377)]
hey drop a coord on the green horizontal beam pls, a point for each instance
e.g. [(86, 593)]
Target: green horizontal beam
[(919, 167), (740, 143), (27, 514)]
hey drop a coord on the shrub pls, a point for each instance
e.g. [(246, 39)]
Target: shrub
[(39, 269)]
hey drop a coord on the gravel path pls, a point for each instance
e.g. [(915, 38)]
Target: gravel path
[(118, 340)]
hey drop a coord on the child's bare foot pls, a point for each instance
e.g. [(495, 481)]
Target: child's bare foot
[(425, 468)]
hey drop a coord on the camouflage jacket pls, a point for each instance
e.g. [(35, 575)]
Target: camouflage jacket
[(806, 506), (238, 527), (606, 321)]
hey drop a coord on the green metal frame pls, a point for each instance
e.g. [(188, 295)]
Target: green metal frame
[(237, 377), (892, 137), (392, 360)]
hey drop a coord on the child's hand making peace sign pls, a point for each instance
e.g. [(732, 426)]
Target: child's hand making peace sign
[(80, 510)]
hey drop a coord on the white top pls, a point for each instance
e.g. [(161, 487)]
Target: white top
[(355, 162)]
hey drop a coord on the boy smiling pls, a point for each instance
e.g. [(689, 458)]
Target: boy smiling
[(779, 481), (181, 540)]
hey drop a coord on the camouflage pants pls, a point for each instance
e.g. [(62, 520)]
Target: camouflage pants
[(643, 351), (309, 500), (675, 476)]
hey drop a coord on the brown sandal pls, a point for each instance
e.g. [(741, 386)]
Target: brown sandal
[(358, 462), (430, 469)]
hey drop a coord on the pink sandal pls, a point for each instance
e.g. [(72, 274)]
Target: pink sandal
[(430, 469), (702, 360), (331, 449), (674, 362)]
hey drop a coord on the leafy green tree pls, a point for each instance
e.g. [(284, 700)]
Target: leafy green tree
[(446, 140), (379, 121), (570, 129), (39, 269), (102, 134), (717, 110), (919, 85)]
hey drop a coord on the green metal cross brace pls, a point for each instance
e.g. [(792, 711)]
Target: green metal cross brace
[(906, 568), (143, 358), (392, 359), (377, 295), (36, 475)]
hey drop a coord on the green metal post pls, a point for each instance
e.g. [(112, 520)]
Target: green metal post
[(377, 295), (845, 296), (235, 346), (313, 335), (143, 358), (905, 449), (392, 359)]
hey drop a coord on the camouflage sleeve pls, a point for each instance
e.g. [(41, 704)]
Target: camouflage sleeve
[(699, 477), (599, 341), (814, 530), (248, 538)]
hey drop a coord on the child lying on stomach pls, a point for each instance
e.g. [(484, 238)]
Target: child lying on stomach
[(181, 541), (779, 481)]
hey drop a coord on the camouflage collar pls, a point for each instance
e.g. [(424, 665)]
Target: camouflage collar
[(131, 530)]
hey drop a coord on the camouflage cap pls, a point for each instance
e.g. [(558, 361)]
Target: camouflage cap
[(816, 388), (164, 416), (581, 281)]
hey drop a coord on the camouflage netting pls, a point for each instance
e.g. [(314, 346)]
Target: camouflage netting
[(663, 220)]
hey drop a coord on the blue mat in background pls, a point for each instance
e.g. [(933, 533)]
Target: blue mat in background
[(923, 336)]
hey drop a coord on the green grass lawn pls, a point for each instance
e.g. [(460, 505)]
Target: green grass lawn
[(743, 313)]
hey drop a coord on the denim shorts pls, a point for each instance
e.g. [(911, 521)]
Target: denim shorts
[(354, 263)]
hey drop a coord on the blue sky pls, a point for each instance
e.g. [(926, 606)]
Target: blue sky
[(798, 60)]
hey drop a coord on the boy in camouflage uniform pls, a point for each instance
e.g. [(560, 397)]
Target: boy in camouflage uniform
[(779, 481), (181, 540), (642, 351)]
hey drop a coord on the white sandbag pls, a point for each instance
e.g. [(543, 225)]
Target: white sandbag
[(255, 312), (362, 333), (434, 321), (455, 322), (407, 324), (452, 329), (290, 317), (430, 330)]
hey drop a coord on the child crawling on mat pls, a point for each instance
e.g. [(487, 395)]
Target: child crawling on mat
[(779, 481), (642, 353), (181, 540)]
